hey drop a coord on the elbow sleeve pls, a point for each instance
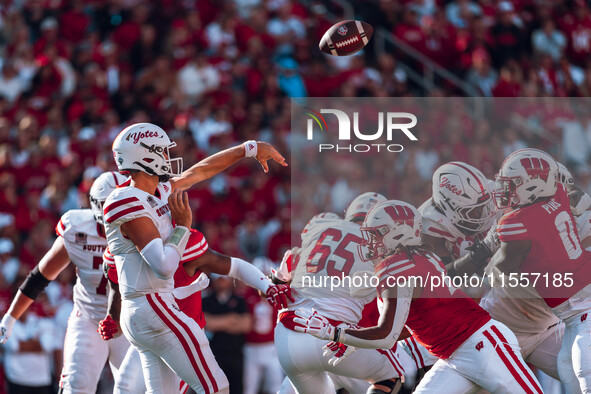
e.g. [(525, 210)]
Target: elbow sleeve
[(163, 259), (249, 274)]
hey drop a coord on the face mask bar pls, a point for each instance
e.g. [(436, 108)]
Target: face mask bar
[(372, 243), (476, 217), (505, 194), (171, 167), (97, 209)]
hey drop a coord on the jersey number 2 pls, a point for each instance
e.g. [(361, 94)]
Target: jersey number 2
[(97, 263)]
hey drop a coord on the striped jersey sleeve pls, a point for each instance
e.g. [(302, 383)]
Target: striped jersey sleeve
[(393, 266), (122, 207), (109, 266), (511, 228), (60, 227), (196, 246)]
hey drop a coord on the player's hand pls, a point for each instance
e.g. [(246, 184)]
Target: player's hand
[(337, 352), (267, 152), (491, 240), (6, 328), (314, 324), (279, 296), (180, 210), (108, 328)]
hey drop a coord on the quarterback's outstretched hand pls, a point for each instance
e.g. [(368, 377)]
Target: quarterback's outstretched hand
[(314, 324), (279, 296), (6, 328), (337, 352), (267, 152), (108, 328)]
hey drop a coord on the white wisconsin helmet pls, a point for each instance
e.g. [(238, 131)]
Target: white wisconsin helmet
[(387, 226), (102, 186), (525, 176), (463, 194), (321, 216), (361, 205), (564, 175), (144, 147)]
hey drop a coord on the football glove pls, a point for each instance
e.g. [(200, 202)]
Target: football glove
[(337, 352), (107, 328), (314, 324), (279, 296), (6, 328)]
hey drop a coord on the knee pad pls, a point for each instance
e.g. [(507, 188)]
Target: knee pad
[(389, 384)]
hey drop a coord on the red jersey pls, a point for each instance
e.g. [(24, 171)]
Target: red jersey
[(442, 318), (191, 305), (264, 318), (555, 246)]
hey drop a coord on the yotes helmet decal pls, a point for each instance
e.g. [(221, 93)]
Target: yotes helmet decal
[(463, 194), (145, 147)]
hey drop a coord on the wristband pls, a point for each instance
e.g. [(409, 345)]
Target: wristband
[(337, 335), (250, 148)]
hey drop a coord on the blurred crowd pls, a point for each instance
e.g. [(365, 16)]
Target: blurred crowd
[(214, 73)]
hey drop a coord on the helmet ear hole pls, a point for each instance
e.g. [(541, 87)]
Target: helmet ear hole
[(148, 160)]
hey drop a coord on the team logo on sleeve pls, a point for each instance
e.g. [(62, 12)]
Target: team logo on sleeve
[(152, 202), (536, 167), (80, 238)]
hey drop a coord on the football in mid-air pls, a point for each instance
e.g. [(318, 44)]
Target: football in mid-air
[(346, 38)]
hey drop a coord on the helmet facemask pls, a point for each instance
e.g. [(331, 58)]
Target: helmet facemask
[(477, 217), (505, 193), (373, 246), (97, 209), (169, 167)]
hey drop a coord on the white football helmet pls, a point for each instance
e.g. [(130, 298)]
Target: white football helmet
[(321, 216), (361, 205), (463, 195), (387, 226), (145, 147), (564, 175), (525, 176), (102, 186)]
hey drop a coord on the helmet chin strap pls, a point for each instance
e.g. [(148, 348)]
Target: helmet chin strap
[(148, 170)]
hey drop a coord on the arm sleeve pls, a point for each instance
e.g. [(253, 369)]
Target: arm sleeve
[(249, 274), (164, 258), (403, 300)]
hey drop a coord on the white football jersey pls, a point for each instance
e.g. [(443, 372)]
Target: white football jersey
[(522, 310), (329, 252), (85, 242), (123, 205)]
